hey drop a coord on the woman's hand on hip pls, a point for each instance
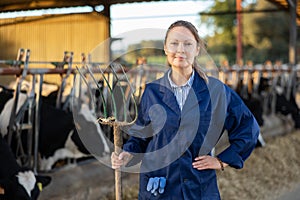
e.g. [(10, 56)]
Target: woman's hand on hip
[(208, 162)]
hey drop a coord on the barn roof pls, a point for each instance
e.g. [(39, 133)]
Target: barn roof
[(17, 5)]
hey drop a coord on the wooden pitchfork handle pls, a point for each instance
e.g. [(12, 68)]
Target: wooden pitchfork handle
[(2, 191), (118, 142)]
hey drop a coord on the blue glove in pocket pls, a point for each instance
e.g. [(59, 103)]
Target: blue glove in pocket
[(162, 184), (156, 184), (150, 183)]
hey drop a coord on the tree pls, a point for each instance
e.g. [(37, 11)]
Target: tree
[(145, 48), (222, 41), (265, 34)]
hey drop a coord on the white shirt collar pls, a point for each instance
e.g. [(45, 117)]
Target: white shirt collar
[(188, 83)]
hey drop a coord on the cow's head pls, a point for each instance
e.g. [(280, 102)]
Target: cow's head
[(23, 186)]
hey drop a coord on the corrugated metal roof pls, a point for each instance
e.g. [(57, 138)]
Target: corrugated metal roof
[(16, 5)]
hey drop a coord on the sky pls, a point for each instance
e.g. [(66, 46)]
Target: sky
[(131, 16), (159, 15), (135, 22)]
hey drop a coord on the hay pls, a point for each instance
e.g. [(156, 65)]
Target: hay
[(268, 173)]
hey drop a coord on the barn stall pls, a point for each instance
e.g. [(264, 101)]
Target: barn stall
[(264, 85), (50, 56)]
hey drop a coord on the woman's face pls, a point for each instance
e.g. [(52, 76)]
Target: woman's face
[(181, 47)]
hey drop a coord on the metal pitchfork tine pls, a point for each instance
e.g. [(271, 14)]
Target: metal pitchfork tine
[(115, 121)]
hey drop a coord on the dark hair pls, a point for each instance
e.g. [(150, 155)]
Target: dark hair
[(199, 41)]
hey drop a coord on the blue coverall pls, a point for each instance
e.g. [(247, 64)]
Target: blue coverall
[(167, 139)]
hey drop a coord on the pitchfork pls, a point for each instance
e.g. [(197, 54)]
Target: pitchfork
[(117, 120)]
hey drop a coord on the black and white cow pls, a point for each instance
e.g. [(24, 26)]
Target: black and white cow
[(254, 103), (275, 93), (17, 183), (287, 106), (5, 95), (58, 137)]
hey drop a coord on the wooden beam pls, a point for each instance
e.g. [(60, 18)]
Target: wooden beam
[(293, 32)]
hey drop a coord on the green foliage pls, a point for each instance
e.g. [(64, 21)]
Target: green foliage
[(159, 59), (265, 35), (222, 42), (149, 48)]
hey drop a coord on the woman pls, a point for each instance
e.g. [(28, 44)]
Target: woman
[(181, 117)]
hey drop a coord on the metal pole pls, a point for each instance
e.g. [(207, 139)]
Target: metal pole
[(239, 50), (293, 32), (37, 122)]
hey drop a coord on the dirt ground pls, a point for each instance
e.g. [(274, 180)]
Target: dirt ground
[(271, 173)]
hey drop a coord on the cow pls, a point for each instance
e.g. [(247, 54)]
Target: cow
[(277, 97), (58, 136), (254, 104), (286, 106), (5, 95), (16, 182), (253, 101), (64, 140), (7, 108)]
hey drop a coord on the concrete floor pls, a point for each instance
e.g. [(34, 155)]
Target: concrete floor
[(292, 194), (88, 181)]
